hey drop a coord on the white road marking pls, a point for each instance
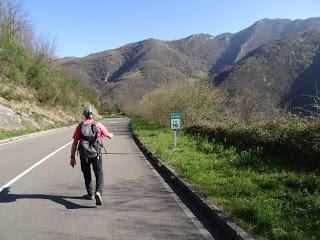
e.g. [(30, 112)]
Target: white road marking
[(31, 135), (16, 140), (32, 167)]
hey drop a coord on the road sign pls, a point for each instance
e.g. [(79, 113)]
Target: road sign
[(175, 121)]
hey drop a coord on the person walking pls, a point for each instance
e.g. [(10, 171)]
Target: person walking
[(87, 137)]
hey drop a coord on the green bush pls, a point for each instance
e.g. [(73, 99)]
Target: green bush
[(298, 146), (211, 114), (9, 93), (198, 103)]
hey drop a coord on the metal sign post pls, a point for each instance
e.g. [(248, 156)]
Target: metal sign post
[(175, 123), (174, 139)]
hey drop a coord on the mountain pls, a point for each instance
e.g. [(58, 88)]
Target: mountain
[(125, 74), (285, 71), (203, 46), (260, 33)]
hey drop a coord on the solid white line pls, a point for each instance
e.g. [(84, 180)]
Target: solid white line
[(31, 135), (16, 140), (32, 167)]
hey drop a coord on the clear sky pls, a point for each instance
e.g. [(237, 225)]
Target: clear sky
[(81, 27)]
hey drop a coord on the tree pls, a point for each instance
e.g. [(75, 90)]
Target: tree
[(14, 21)]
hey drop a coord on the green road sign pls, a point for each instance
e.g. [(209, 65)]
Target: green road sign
[(175, 116), (175, 121)]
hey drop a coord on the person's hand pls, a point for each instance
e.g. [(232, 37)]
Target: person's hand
[(73, 162), (110, 135)]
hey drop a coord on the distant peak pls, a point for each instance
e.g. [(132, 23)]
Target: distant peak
[(224, 36), (201, 35), (150, 40), (269, 20), (274, 20)]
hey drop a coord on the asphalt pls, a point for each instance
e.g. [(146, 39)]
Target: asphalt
[(46, 203)]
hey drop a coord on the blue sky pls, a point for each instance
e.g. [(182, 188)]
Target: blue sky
[(81, 27)]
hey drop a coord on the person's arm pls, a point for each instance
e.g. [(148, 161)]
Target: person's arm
[(73, 161), (104, 132), (76, 137)]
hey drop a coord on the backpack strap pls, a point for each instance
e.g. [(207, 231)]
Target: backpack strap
[(96, 142), (95, 131), (80, 126)]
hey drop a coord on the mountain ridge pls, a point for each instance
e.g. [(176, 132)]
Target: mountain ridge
[(143, 66), (276, 69)]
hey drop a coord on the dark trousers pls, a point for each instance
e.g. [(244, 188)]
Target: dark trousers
[(98, 172)]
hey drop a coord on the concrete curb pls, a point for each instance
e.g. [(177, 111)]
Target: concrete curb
[(29, 135), (216, 216)]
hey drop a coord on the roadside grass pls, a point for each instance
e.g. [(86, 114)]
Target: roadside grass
[(16, 133), (268, 200), (28, 129)]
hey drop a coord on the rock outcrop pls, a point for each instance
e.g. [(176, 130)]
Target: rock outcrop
[(9, 120)]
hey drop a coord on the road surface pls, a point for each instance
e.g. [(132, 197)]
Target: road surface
[(45, 201)]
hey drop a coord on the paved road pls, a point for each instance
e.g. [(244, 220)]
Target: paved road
[(46, 202)]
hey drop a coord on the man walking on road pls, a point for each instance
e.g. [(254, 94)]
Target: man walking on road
[(88, 134)]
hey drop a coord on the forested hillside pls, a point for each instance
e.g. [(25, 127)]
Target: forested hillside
[(31, 83)]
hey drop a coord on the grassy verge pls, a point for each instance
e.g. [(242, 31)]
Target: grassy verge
[(270, 201), (30, 129), (293, 141)]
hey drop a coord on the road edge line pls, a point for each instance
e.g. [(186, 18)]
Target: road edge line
[(31, 135), (8, 184)]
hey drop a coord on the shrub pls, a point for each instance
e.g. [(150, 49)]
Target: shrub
[(198, 103), (298, 146)]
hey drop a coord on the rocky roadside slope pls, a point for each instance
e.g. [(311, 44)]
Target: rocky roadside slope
[(15, 116)]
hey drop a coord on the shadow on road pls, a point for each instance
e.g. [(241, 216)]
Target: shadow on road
[(123, 153), (151, 205), (6, 197)]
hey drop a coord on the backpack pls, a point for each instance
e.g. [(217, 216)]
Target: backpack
[(89, 146)]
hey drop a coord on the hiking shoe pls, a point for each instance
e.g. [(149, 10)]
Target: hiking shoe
[(88, 197), (98, 198)]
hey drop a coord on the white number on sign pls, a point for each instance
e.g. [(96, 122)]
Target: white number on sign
[(175, 123)]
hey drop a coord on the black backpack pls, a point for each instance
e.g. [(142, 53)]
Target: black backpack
[(89, 146)]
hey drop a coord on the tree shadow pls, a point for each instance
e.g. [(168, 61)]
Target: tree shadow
[(230, 54), (122, 153), (304, 93), (6, 197)]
